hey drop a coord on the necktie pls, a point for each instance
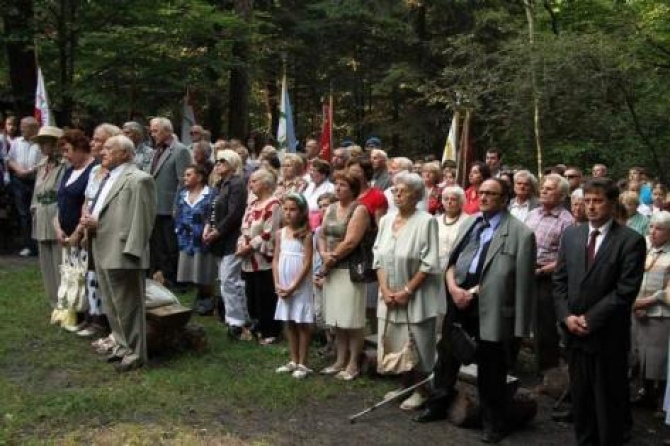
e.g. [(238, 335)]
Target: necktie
[(157, 156), (591, 248), (467, 256), (97, 194)]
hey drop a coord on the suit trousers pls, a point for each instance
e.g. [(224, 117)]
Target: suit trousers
[(599, 390), (262, 301), (123, 302), (545, 331), (492, 364), (164, 249)]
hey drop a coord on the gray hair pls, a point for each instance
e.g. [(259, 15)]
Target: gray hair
[(109, 130), (661, 218), (629, 196), (124, 143), (413, 181), (577, 194), (527, 175), (379, 152), (454, 190), (561, 182), (345, 152), (268, 178), (163, 123), (403, 163), (205, 146), (134, 127)]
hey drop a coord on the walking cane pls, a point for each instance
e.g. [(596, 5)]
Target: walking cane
[(352, 418)]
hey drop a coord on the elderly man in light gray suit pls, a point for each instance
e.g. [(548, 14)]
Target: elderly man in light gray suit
[(169, 162), (120, 220), (490, 293)]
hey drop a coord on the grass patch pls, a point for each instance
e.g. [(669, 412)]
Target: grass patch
[(55, 388)]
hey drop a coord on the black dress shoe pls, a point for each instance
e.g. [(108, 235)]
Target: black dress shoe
[(491, 436), (431, 414), (562, 415), (234, 333), (113, 358)]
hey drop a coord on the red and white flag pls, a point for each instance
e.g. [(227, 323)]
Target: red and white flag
[(42, 111), (327, 131)]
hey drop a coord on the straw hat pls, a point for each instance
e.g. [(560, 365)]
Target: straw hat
[(46, 133)]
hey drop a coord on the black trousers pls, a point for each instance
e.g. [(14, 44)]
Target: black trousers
[(492, 365), (547, 351), (163, 248), (262, 301), (22, 192), (599, 390)]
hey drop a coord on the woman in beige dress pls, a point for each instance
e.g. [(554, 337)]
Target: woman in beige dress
[(44, 206), (344, 225), (408, 267)]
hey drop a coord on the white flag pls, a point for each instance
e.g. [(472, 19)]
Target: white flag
[(42, 112)]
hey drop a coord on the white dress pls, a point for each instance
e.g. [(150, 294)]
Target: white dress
[(299, 307)]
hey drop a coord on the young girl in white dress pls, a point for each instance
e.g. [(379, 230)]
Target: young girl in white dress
[(292, 271)]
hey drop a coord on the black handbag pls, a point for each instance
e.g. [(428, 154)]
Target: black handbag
[(463, 345), (360, 265)]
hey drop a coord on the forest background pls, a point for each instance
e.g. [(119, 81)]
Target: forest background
[(583, 81)]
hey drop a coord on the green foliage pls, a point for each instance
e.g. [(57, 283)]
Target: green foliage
[(397, 69)]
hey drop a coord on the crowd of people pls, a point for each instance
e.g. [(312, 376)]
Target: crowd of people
[(578, 263)]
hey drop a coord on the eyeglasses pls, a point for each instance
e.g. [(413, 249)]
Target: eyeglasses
[(217, 162), (488, 193), (571, 176), (195, 133)]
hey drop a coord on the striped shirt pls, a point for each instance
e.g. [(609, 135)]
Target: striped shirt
[(548, 228)]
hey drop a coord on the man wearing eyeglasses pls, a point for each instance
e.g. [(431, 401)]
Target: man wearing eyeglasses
[(490, 293)]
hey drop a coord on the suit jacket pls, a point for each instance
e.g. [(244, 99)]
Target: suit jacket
[(605, 292), (169, 174), (125, 222), (507, 285)]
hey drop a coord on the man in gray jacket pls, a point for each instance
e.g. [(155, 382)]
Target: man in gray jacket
[(167, 167)]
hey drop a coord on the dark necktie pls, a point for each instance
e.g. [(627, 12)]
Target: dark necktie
[(469, 252), (591, 248), (157, 156), (97, 194)]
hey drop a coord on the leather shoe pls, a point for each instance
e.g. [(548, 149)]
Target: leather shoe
[(113, 358), (127, 366), (562, 416), (431, 414), (490, 436)]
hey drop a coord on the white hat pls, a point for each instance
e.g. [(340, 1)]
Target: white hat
[(47, 132)]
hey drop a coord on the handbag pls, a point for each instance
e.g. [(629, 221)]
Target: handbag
[(463, 345), (361, 259), (360, 265), (403, 361), (72, 289)]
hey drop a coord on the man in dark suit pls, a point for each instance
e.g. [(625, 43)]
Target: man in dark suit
[(120, 220), (169, 162), (598, 275), (491, 290)]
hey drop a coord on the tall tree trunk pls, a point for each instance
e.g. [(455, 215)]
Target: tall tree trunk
[(19, 36), (530, 16), (238, 105), (67, 43)]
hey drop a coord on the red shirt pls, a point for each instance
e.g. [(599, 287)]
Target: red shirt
[(373, 199), (471, 205)]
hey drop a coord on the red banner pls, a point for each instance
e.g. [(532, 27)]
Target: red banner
[(327, 132)]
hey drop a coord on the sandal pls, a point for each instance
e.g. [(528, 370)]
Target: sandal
[(330, 370), (346, 376)]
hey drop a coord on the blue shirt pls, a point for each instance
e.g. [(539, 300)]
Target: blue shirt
[(484, 237)]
